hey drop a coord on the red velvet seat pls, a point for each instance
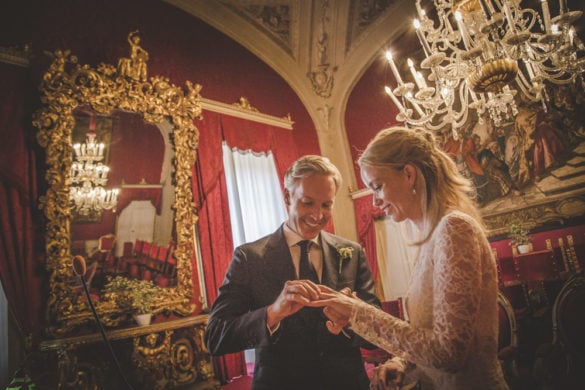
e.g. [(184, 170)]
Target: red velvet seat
[(105, 254), (169, 266), (146, 274), (138, 244), (134, 270)]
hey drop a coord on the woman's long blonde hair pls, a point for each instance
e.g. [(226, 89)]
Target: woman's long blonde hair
[(441, 186)]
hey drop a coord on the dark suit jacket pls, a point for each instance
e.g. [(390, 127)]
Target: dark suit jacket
[(302, 354)]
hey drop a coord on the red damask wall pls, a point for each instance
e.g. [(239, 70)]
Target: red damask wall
[(180, 46)]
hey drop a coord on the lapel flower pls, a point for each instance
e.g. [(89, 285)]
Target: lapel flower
[(344, 253)]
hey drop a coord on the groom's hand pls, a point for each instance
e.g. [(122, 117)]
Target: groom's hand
[(293, 297)]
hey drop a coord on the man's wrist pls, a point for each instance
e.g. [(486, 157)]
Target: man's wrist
[(272, 320)]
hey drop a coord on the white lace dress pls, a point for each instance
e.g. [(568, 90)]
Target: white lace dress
[(452, 333)]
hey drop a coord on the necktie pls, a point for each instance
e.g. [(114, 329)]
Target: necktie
[(306, 270)]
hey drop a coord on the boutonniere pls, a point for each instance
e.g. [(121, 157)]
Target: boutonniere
[(344, 253)]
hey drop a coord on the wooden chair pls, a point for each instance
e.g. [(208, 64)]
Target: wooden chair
[(559, 364), (507, 339)]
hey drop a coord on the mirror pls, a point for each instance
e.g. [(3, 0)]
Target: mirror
[(70, 90), (138, 156)]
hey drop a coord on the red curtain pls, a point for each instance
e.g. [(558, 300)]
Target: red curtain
[(21, 233), (366, 213), (211, 197)]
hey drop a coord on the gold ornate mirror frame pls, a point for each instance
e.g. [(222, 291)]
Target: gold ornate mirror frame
[(67, 85)]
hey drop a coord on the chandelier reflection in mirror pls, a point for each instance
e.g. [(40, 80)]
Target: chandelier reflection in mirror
[(89, 176), (479, 54)]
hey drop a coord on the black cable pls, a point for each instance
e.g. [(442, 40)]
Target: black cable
[(103, 332)]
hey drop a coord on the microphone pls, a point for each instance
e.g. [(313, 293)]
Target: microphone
[(80, 269), (79, 266)]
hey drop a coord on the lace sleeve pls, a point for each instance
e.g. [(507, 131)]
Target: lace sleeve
[(455, 252)]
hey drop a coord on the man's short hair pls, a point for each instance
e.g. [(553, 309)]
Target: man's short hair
[(311, 165)]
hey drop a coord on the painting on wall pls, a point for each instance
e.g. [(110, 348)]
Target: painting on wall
[(532, 167)]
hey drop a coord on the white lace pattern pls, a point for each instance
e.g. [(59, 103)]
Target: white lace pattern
[(452, 333)]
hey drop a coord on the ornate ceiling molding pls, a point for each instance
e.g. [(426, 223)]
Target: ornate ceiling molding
[(277, 19)]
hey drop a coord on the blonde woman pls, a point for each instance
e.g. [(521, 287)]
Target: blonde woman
[(451, 338)]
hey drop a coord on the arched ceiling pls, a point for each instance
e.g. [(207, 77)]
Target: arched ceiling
[(320, 48), (312, 44)]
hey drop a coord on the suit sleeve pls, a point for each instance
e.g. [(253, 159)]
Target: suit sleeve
[(235, 324)]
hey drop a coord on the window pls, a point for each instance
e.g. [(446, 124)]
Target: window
[(256, 201)]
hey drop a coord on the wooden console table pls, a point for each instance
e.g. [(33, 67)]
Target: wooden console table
[(164, 355)]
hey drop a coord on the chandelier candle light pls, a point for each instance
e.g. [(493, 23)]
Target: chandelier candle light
[(89, 176), (479, 54)]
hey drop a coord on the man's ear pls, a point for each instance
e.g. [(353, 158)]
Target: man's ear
[(286, 197)]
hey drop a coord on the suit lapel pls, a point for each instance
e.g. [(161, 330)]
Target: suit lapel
[(277, 258)]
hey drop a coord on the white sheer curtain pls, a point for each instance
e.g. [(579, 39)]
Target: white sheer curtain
[(255, 199), (395, 256)]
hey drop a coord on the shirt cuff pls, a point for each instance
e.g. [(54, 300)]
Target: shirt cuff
[(273, 330)]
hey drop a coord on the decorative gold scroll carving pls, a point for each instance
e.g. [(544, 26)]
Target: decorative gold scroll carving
[(553, 211), (67, 85), (157, 356)]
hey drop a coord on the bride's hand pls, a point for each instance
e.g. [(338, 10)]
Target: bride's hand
[(337, 307), (387, 376)]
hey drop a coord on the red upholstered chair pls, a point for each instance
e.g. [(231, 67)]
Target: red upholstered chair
[(153, 251), (171, 262), (142, 251), (161, 258), (127, 256), (138, 244), (146, 274), (149, 261), (134, 270), (105, 254), (88, 277), (145, 250)]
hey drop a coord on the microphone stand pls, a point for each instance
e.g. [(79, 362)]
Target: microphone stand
[(103, 332)]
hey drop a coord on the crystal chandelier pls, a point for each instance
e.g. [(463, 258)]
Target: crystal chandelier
[(479, 54), (88, 178)]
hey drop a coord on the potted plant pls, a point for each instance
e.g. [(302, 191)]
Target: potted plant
[(519, 237), (136, 294)]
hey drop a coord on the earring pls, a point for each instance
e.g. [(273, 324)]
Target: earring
[(413, 191)]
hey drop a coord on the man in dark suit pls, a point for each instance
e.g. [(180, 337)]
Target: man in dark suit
[(261, 301)]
